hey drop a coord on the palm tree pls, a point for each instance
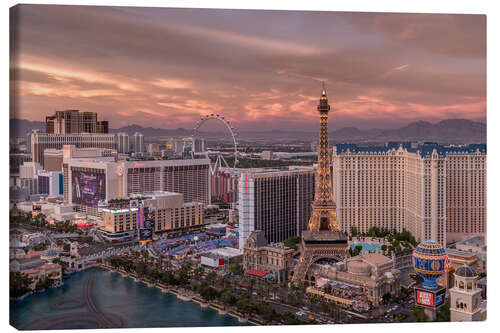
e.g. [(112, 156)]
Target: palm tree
[(274, 289), (251, 284)]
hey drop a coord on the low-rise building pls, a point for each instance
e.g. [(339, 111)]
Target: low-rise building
[(275, 258), (373, 272), (33, 238), (221, 256), (457, 258), (403, 259), (476, 245), (168, 211), (53, 272)]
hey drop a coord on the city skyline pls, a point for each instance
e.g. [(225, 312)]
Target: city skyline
[(166, 67)]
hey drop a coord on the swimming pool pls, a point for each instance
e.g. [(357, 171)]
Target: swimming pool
[(367, 247)]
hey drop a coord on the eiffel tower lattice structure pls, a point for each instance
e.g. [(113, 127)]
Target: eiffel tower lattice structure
[(323, 239)]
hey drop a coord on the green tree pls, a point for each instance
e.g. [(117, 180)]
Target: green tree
[(418, 314), (386, 298), (244, 305), (292, 242), (356, 251), (198, 272), (265, 311), (207, 292), (211, 277), (443, 313), (227, 298), (290, 319), (43, 284), (235, 268), (140, 269), (19, 284)]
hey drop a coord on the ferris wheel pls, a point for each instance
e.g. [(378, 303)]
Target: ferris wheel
[(220, 158)]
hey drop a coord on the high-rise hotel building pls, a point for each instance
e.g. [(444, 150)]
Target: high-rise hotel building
[(435, 192), (73, 122), (90, 181), (277, 202), (42, 141)]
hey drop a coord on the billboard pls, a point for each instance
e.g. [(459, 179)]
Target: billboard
[(425, 298), (88, 187), (149, 224), (149, 219), (439, 297), (431, 299), (145, 235), (320, 282)]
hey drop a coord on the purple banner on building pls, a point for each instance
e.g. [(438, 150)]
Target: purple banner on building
[(88, 188)]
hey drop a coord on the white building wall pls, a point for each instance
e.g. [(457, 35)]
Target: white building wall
[(246, 208)]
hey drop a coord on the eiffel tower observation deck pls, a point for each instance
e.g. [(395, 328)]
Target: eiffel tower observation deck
[(323, 239)]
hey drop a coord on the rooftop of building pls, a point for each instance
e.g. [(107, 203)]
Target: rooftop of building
[(102, 162), (459, 253), (258, 238), (275, 171), (473, 241), (153, 195), (424, 149), (15, 243), (228, 252), (465, 271), (375, 258)]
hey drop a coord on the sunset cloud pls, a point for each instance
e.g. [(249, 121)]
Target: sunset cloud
[(165, 67)]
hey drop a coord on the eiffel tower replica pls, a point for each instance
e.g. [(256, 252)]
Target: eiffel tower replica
[(323, 238)]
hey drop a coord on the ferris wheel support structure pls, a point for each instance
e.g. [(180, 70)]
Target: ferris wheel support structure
[(220, 160)]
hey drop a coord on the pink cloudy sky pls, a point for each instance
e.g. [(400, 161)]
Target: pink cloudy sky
[(165, 67)]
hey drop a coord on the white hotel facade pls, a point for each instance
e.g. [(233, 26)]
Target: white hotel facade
[(433, 191)]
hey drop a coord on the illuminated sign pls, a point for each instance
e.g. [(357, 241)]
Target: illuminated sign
[(428, 298), (439, 299), (145, 235), (320, 282), (88, 188), (425, 298)]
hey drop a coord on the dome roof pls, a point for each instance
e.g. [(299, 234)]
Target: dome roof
[(465, 271), (50, 253)]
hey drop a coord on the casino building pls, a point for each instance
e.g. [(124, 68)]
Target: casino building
[(167, 210), (89, 182), (373, 272), (435, 192)]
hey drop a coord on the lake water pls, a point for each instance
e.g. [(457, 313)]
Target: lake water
[(120, 299)]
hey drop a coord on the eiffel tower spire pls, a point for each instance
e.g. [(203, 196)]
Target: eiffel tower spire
[(323, 216)]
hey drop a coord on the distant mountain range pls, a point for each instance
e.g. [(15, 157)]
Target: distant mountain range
[(449, 130)]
